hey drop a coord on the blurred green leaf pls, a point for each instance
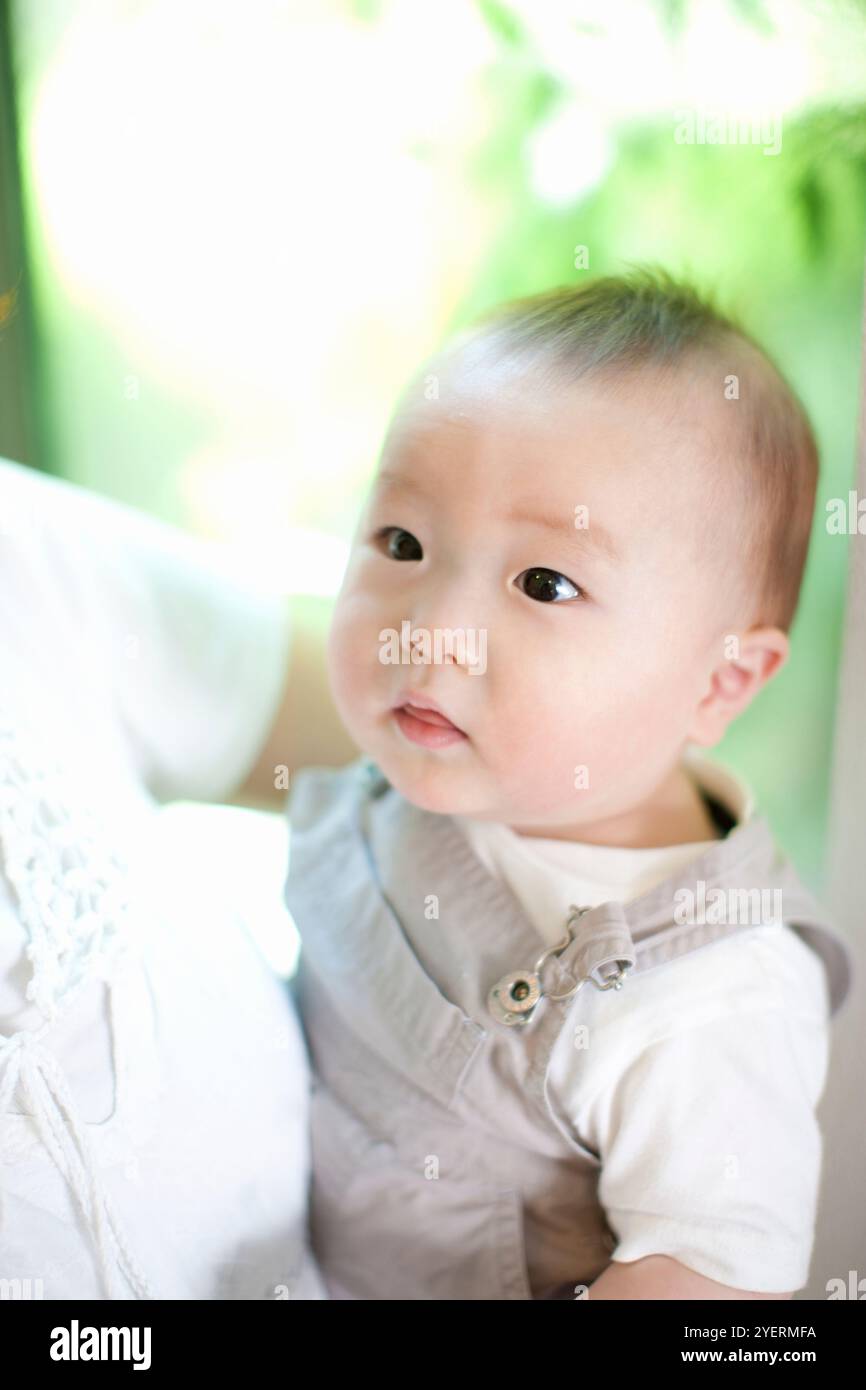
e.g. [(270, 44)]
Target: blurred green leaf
[(813, 207), (367, 11), (754, 12), (503, 23), (672, 14)]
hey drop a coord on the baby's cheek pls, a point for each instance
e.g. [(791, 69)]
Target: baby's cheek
[(535, 750), (337, 650), (634, 735), (352, 650), (573, 730)]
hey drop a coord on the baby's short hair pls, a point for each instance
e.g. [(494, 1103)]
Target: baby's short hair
[(615, 325)]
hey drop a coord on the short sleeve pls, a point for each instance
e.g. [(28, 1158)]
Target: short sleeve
[(191, 653), (711, 1149)]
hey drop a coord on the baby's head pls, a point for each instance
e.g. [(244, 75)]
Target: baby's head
[(609, 491)]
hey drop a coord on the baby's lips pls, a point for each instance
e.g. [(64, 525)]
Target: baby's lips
[(430, 716), (421, 707)]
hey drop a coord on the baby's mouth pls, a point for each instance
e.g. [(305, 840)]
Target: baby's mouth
[(429, 716), (427, 727)]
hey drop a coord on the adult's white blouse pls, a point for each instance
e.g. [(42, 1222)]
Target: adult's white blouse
[(153, 1081)]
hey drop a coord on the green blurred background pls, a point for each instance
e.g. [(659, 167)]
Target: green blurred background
[(244, 225)]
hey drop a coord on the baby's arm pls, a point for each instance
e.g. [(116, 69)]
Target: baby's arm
[(660, 1277), (708, 1137)]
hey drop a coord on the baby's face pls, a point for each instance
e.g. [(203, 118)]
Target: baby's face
[(594, 643)]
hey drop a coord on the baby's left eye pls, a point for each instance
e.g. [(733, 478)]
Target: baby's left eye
[(547, 586)]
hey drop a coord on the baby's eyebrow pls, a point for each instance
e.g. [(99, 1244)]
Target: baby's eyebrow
[(593, 536)]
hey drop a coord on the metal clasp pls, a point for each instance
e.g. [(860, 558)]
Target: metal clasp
[(514, 997)]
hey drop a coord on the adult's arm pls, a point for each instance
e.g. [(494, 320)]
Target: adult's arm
[(215, 678), (306, 729)]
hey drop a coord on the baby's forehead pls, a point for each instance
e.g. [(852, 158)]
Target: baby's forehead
[(640, 454), (635, 424), (480, 375)]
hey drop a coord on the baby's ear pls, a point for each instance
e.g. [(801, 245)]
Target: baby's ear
[(748, 660)]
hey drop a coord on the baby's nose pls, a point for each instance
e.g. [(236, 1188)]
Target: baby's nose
[(447, 645)]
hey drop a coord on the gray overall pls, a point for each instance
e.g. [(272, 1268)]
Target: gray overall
[(441, 1165)]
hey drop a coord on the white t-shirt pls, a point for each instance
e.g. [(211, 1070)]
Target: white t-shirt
[(154, 1133), (699, 1084)]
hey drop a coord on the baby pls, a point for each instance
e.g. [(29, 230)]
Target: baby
[(567, 1005)]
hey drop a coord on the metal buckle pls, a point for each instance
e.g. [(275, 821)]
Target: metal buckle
[(514, 997)]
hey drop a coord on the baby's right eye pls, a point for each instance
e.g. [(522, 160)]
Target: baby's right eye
[(400, 544)]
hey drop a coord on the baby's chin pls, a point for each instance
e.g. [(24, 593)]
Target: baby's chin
[(440, 789), (434, 781), (455, 780)]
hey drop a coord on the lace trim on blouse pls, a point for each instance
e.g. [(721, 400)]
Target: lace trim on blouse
[(73, 901)]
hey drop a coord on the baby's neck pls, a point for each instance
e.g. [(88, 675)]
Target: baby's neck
[(675, 814)]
